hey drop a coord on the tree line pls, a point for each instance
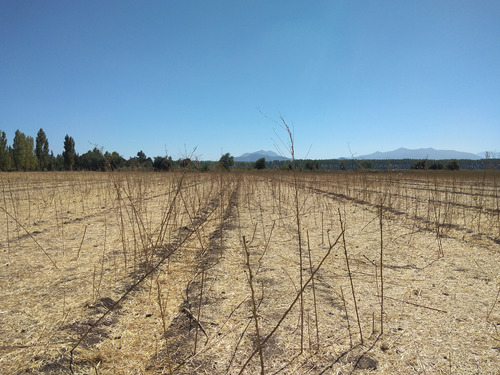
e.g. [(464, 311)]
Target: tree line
[(28, 154)]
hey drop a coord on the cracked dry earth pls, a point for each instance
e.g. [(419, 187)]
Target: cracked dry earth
[(213, 259)]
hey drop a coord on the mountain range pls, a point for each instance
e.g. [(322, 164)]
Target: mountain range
[(421, 153), (254, 156), (400, 153)]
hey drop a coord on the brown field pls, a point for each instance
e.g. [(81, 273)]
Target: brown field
[(241, 272)]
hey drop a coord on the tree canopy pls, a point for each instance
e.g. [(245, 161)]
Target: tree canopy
[(226, 161), (42, 150), (69, 153), (23, 152), (260, 163)]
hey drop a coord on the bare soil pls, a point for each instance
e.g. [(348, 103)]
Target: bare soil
[(150, 273)]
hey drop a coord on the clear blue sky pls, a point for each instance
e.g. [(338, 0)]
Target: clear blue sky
[(174, 75)]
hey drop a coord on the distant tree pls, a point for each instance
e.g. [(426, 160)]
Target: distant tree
[(52, 163), (260, 163), (163, 163), (18, 150), (141, 157), (436, 165), (69, 153), (287, 166), (30, 153), (344, 165), (92, 160), (204, 167), (58, 163), (312, 165), (114, 160), (5, 160), (42, 150), (141, 161), (226, 161), (421, 164), (23, 152), (453, 165), (366, 164), (185, 163)]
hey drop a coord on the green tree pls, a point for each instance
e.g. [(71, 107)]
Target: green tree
[(141, 157), (204, 166), (453, 165), (69, 153), (436, 165), (5, 162), (421, 164), (185, 163), (287, 166), (260, 164), (163, 163), (226, 161), (141, 161), (18, 150), (366, 164), (42, 150), (30, 153), (92, 160), (114, 160), (312, 165), (58, 163), (52, 166), (23, 152)]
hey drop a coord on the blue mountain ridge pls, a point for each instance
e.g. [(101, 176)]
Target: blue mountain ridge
[(254, 156), (421, 153)]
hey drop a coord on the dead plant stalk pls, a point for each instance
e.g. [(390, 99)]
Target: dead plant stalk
[(342, 225), (254, 306)]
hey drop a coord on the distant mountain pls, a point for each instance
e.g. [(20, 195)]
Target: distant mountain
[(421, 153), (254, 156)]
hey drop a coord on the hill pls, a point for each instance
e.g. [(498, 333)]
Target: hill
[(254, 156), (420, 153)]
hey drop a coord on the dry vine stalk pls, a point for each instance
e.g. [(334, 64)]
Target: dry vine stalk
[(314, 292), (254, 306), (342, 225), (297, 297), (381, 271)]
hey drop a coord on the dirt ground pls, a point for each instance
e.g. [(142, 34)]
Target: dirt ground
[(306, 273)]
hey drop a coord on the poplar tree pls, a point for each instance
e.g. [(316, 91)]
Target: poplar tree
[(69, 153), (42, 150), (5, 162), (23, 152)]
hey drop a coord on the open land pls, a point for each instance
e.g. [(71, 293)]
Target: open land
[(246, 272)]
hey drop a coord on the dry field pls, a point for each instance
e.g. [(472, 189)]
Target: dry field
[(210, 273)]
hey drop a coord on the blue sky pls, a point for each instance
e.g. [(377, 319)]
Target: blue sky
[(169, 76)]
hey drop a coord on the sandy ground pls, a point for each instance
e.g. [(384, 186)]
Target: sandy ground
[(153, 273)]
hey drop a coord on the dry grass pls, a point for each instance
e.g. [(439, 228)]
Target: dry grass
[(147, 273)]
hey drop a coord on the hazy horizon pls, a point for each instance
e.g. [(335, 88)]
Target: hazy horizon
[(350, 77)]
